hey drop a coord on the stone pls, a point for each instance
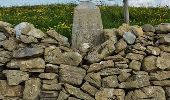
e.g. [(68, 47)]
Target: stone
[(77, 92), (100, 52), (63, 96), (50, 68), (129, 37), (28, 52), (110, 82), (110, 34), (165, 48), (121, 65), (114, 71), (72, 98), (110, 94), (49, 82), (161, 83), (153, 50), (89, 88), (85, 47), (10, 44), (94, 79), (148, 28), (137, 30), (6, 28), (123, 77), (49, 94), (115, 58), (54, 55), (149, 63), (133, 56), (9, 91), (36, 33), (48, 76), (51, 87), (167, 91), (162, 61), (71, 74), (139, 47), (49, 40), (163, 28), (15, 77), (62, 40), (5, 56), (28, 39), (135, 65), (120, 45), (28, 64), (2, 36), (135, 81), (165, 39), (122, 29), (87, 25), (160, 75)]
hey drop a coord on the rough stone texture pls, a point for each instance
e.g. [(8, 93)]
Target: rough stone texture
[(163, 28), (148, 28), (163, 61), (48, 94), (87, 19), (89, 88), (120, 45), (160, 75), (165, 48), (135, 65), (15, 77), (32, 89), (5, 56), (110, 82), (153, 50), (54, 55), (149, 63), (51, 87), (2, 36), (137, 30), (133, 56), (129, 37), (71, 74), (48, 75), (6, 28), (10, 44), (123, 77)]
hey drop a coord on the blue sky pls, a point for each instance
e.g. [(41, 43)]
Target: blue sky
[(137, 3)]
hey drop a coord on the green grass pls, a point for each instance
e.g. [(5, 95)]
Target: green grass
[(59, 17)]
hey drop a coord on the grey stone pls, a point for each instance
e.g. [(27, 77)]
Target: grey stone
[(28, 39), (137, 30), (153, 50), (2, 36), (133, 56), (51, 87), (89, 88), (110, 82), (50, 68), (135, 65), (54, 55), (49, 94), (149, 63), (110, 34), (48, 76), (77, 92), (167, 91), (87, 25), (165, 48), (5, 56), (123, 77), (100, 52), (36, 33), (72, 98), (49, 82), (115, 58), (106, 94), (148, 28), (139, 47), (114, 71), (163, 28), (162, 62), (71, 74), (165, 39), (15, 77), (32, 89), (63, 96), (161, 83), (120, 45), (10, 44), (129, 37), (6, 28), (160, 75), (28, 52)]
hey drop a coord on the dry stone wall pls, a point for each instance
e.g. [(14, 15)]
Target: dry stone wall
[(132, 64)]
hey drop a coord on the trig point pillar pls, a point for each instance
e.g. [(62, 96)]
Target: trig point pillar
[(87, 25)]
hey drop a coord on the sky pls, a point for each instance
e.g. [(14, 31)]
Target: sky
[(137, 3)]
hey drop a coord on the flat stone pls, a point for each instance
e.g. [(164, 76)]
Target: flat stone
[(139, 47), (9, 91), (163, 28), (49, 40), (5, 56), (89, 88), (137, 30), (110, 34), (110, 82), (129, 37), (50, 68), (72, 98), (122, 29), (114, 71), (94, 79), (54, 55), (153, 50), (162, 61), (15, 77), (36, 33), (51, 87), (107, 93), (6, 28), (48, 76), (2, 36), (148, 28), (28, 52), (49, 94), (32, 89), (63, 96), (135, 65), (100, 52), (49, 82), (28, 39), (160, 75), (161, 83), (165, 48), (10, 44), (167, 91), (133, 56), (77, 92), (123, 77), (71, 74), (120, 45), (149, 63)]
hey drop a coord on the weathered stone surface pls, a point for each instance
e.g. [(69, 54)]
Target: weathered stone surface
[(123, 77), (28, 39), (89, 88), (48, 76), (162, 62), (122, 29), (2, 36), (63, 96), (106, 94), (129, 37), (54, 81), (149, 63), (115, 58), (87, 25), (153, 50), (110, 82), (148, 28), (122, 65), (71, 74), (110, 34), (10, 44), (135, 65), (28, 52), (120, 45), (165, 39), (160, 75), (165, 48), (100, 52), (163, 28), (5, 56), (161, 83), (15, 77), (32, 89), (77, 92), (72, 98), (139, 47), (50, 68), (36, 33), (59, 38), (133, 56), (51, 87), (137, 30), (28, 65), (114, 71), (135, 81), (167, 91), (54, 55), (94, 79), (49, 94), (6, 28), (9, 91)]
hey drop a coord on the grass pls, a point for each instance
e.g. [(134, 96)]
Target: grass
[(59, 17)]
